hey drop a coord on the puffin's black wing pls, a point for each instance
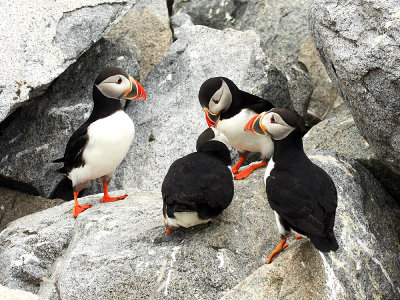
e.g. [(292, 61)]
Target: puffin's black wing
[(197, 182), (307, 202), (74, 150), (256, 103)]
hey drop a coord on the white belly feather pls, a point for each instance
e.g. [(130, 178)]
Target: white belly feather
[(109, 141), (233, 129)]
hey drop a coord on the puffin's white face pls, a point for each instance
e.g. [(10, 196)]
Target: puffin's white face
[(221, 100), (115, 87), (220, 137), (272, 123)]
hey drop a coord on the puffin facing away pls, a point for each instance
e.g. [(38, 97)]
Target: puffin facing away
[(97, 147), (302, 195), (198, 186), (228, 109)]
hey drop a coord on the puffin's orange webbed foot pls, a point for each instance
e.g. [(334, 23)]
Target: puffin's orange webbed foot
[(80, 208), (112, 199), (246, 172), (237, 166), (281, 246), (298, 237)]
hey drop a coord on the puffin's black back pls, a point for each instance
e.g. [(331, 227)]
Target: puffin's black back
[(200, 181)]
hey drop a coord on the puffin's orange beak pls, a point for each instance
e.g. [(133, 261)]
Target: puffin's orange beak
[(255, 126), (135, 92), (211, 118)]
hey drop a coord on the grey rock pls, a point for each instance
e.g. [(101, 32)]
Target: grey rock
[(358, 43), (366, 264), (11, 294), (145, 30), (178, 20), (39, 131), (340, 134), (120, 250), (14, 205), (283, 30), (325, 101), (39, 46), (171, 118)]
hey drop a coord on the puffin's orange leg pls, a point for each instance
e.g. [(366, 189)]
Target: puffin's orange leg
[(78, 208), (282, 245), (107, 198), (246, 172), (237, 166)]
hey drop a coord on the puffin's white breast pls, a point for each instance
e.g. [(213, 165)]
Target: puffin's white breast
[(109, 141), (270, 166), (233, 129)]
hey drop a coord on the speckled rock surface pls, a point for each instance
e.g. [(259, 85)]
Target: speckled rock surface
[(11, 294), (39, 131), (366, 264), (340, 134), (14, 205), (126, 241), (145, 30), (39, 46), (358, 42), (57, 257)]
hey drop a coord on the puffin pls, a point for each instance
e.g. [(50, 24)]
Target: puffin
[(228, 109), (301, 194), (198, 186), (100, 144)]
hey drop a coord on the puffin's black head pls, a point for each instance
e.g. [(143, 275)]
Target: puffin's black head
[(115, 83), (277, 122), (215, 96), (211, 134)]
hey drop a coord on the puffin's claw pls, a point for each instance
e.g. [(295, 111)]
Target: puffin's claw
[(112, 199), (80, 208)]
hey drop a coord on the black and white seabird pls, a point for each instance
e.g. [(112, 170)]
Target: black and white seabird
[(97, 147), (302, 195), (198, 186), (228, 109)]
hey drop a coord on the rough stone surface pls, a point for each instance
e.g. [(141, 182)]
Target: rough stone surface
[(296, 274), (282, 25), (39, 46), (341, 135), (38, 132), (366, 264), (283, 30), (10, 294), (358, 42), (325, 100), (14, 205), (145, 30), (171, 118), (57, 257), (126, 241)]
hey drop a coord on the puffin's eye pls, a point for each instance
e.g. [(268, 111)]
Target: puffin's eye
[(273, 119), (119, 81)]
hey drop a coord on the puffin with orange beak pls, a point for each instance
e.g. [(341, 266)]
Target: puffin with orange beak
[(228, 109), (302, 195), (100, 144)]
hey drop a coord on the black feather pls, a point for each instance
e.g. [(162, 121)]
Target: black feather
[(200, 181)]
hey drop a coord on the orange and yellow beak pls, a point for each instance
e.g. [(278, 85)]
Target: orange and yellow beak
[(211, 118), (135, 92), (255, 126)]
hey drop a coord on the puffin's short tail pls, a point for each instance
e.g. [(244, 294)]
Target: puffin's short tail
[(61, 170), (324, 244)]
